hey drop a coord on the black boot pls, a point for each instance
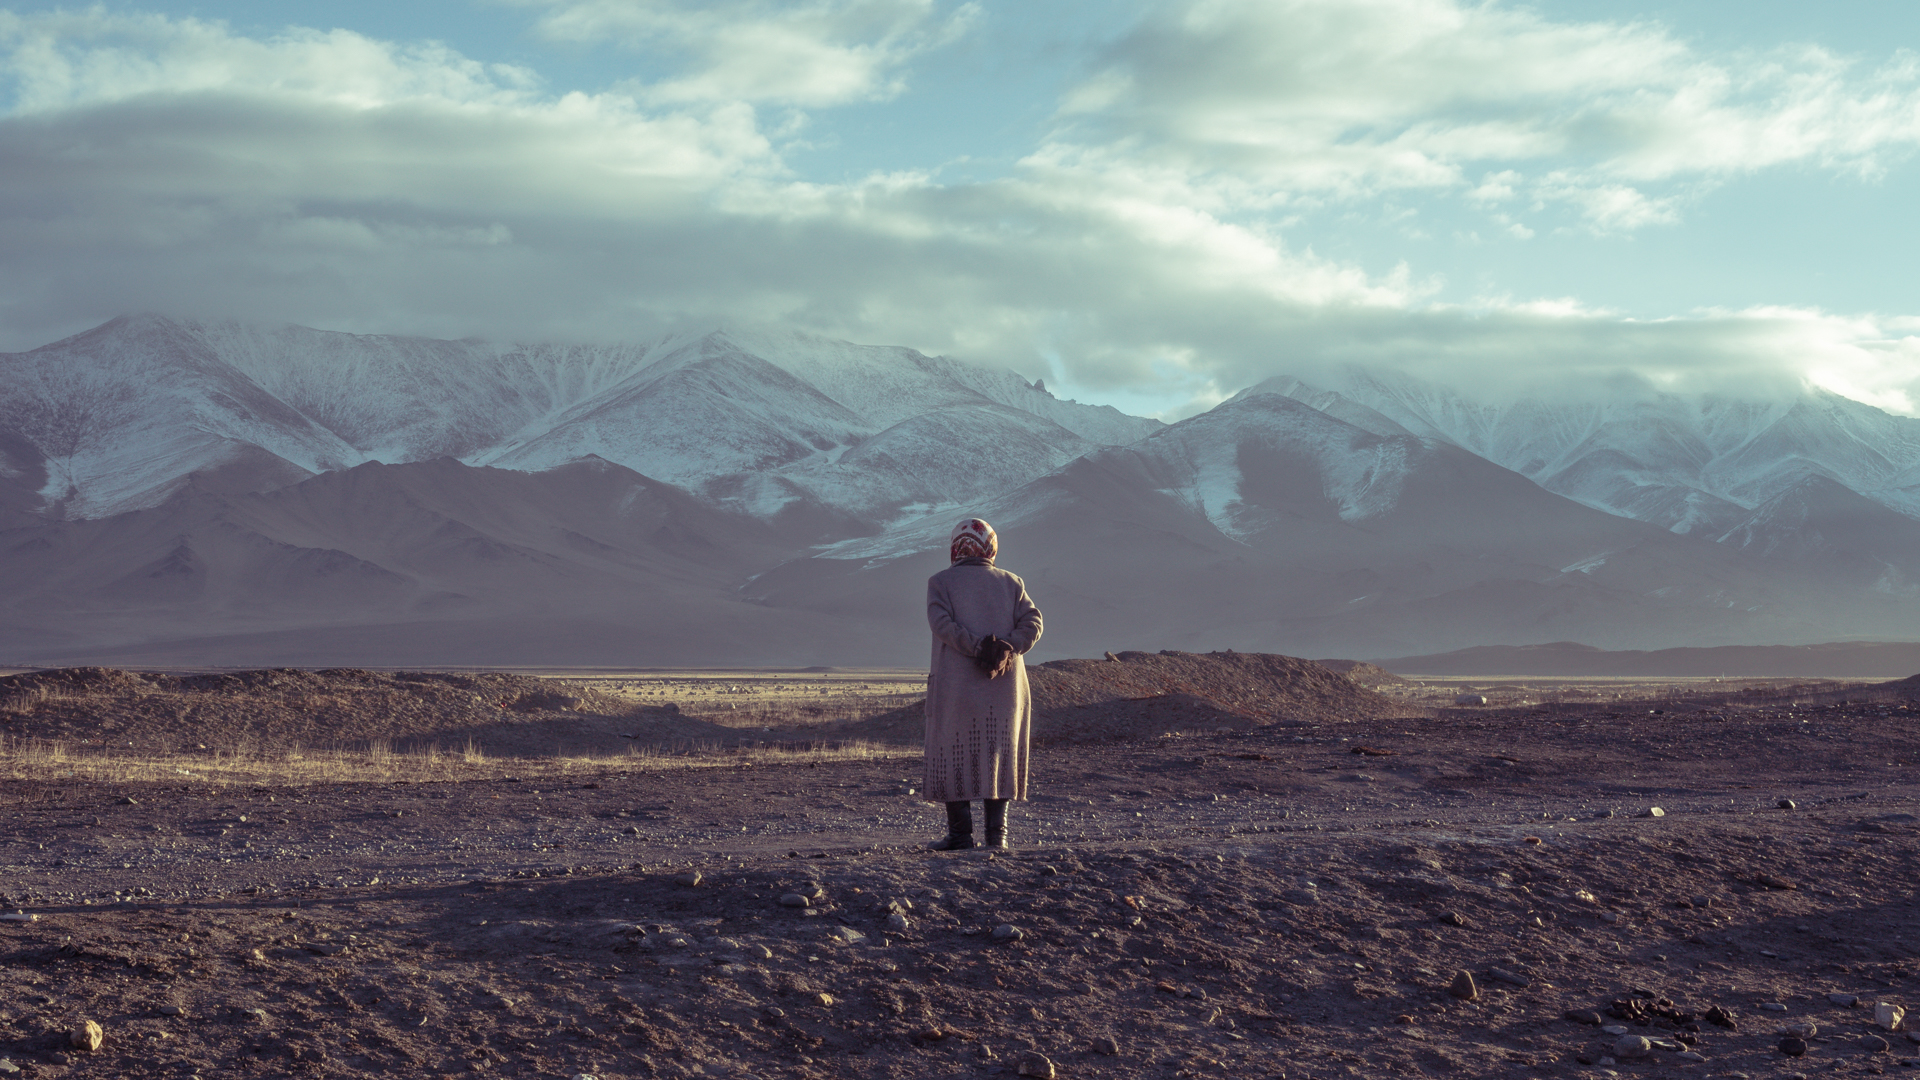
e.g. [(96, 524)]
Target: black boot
[(997, 823), (959, 829)]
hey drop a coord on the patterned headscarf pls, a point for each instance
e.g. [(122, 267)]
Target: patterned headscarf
[(973, 539)]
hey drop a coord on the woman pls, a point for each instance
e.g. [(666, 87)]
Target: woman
[(979, 715)]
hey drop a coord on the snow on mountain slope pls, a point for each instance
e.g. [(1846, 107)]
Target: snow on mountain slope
[(890, 384), (118, 418), (1266, 524), (705, 409), (1690, 464), (1821, 523), (124, 413), (933, 461), (413, 399)]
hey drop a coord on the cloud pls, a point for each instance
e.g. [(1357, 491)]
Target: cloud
[(340, 181), (1350, 99), (812, 53)]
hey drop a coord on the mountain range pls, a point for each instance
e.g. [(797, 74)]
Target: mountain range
[(183, 492)]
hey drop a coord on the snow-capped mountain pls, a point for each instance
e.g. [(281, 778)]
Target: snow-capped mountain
[(192, 493), (120, 418), (1267, 524), (1693, 464)]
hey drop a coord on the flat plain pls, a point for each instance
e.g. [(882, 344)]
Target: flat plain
[(353, 873)]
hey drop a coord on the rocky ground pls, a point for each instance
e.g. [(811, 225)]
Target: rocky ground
[(1298, 897)]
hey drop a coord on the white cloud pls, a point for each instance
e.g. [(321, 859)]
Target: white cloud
[(1353, 98), (341, 181), (810, 53)]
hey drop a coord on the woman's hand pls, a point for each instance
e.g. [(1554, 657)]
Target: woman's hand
[(995, 657)]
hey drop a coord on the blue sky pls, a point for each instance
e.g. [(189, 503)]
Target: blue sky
[(1151, 204)]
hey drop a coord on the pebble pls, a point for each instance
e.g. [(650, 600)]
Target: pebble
[(1785, 804), (794, 899), (898, 923), (1702, 901), (1583, 1016), (813, 890), (128, 800), (1772, 1006), (1009, 932), (759, 952), (1038, 1066), (1913, 1036), (689, 879), (1463, 987), (847, 934), (774, 1012), (86, 1035), (1511, 978), (1654, 811), (585, 1076), (172, 1010), (823, 999), (1109, 1047), (1874, 1044), (7, 1067), (1793, 1046), (1888, 1015), (1632, 1046), (1614, 1029), (1845, 1001), (1806, 1029), (19, 916), (1690, 1055)]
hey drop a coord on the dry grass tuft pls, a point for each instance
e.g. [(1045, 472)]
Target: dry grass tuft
[(380, 762)]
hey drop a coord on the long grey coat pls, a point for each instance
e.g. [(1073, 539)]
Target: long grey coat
[(978, 729)]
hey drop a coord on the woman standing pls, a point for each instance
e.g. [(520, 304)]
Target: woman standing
[(979, 714)]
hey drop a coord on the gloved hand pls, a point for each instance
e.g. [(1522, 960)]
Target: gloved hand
[(995, 657)]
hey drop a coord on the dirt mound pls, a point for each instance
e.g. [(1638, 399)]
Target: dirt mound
[(1362, 673), (1908, 688), (1142, 695), (336, 707)]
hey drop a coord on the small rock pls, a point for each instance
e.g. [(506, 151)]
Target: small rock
[(1583, 1016), (19, 916), (824, 1000), (1845, 1001), (1654, 811), (813, 890), (689, 879), (172, 1010), (1609, 916), (1913, 1036), (8, 1068), (1106, 1046), (1038, 1066), (898, 923), (1806, 1029), (847, 934), (585, 1076), (1009, 932), (1793, 1046), (1785, 804), (1874, 1044), (758, 952), (86, 1035), (1772, 1006), (1511, 978), (1614, 1029), (128, 800), (1690, 1055), (1702, 901), (794, 899), (774, 1012), (1463, 987), (1632, 1046), (1888, 1015)]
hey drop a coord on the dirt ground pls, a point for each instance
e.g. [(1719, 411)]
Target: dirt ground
[(1294, 897)]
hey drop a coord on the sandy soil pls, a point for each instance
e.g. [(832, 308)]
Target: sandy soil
[(1294, 898)]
